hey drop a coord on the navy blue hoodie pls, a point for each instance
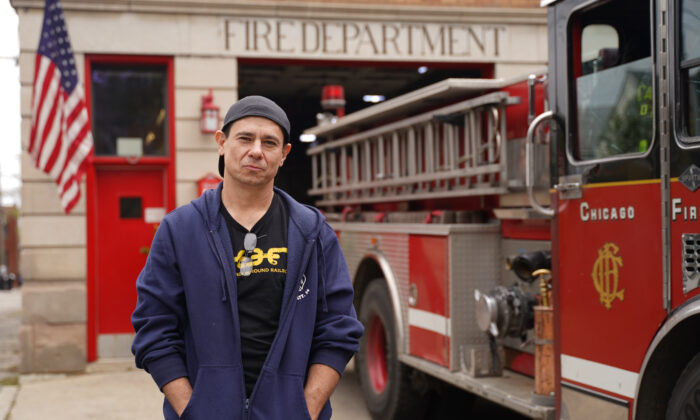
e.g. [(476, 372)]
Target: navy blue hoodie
[(186, 316)]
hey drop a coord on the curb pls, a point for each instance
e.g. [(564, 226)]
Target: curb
[(8, 393)]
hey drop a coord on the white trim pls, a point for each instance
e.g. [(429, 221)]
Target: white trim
[(429, 321), (415, 228), (608, 378)]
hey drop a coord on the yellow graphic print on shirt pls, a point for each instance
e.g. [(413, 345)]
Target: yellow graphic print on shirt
[(258, 257)]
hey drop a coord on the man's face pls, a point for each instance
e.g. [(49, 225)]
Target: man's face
[(253, 151)]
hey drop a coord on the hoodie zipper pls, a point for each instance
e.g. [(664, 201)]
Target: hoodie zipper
[(287, 309), (222, 256), (223, 260)]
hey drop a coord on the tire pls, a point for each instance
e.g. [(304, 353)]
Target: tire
[(685, 398), (385, 382)]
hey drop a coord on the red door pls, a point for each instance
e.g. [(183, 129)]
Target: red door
[(130, 185), (130, 204)]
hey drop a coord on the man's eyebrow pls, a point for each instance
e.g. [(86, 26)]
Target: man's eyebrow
[(251, 134), (271, 137), (243, 133)]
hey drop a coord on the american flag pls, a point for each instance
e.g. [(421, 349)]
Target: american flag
[(60, 140)]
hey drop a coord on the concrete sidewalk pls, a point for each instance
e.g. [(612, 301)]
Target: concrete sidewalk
[(109, 389), (116, 390)]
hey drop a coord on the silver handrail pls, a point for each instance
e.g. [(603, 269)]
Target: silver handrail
[(529, 164)]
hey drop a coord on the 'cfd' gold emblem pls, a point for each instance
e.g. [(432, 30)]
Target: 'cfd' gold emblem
[(606, 275)]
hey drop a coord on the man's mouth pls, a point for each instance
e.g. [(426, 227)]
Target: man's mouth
[(253, 168)]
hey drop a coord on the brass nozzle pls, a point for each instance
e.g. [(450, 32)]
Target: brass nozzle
[(543, 273)]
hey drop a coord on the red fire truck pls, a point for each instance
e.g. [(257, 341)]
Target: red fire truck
[(436, 193)]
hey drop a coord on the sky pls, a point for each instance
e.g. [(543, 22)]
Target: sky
[(10, 117)]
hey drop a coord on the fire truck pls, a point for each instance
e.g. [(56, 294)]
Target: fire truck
[(534, 241)]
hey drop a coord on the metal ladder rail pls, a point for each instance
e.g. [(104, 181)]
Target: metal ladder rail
[(422, 173), (366, 178), (373, 176)]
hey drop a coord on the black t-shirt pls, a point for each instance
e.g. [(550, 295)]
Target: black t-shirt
[(260, 293)]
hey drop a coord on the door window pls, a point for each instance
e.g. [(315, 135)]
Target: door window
[(612, 81), (129, 110), (130, 207), (689, 57)]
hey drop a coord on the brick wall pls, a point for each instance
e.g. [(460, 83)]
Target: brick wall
[(11, 240)]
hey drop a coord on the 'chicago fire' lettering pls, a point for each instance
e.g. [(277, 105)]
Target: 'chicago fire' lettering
[(604, 214)]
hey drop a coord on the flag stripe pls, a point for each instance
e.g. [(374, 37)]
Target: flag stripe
[(44, 88), (70, 196), (60, 140), (76, 157), (39, 75), (48, 129), (51, 135), (60, 155), (47, 106)]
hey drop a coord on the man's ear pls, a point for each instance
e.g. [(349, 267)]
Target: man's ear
[(285, 152), (220, 138)]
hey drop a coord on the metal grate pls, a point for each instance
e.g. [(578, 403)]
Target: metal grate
[(691, 261)]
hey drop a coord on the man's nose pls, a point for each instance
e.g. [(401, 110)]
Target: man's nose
[(256, 148)]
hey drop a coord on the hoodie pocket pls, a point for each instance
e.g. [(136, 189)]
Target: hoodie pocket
[(287, 392), (302, 398), (216, 394)]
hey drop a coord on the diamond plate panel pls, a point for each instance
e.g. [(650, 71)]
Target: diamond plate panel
[(474, 264), (394, 247)]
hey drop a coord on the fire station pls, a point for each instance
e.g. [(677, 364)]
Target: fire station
[(158, 77)]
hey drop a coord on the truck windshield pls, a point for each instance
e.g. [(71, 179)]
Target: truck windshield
[(615, 110), (611, 80)]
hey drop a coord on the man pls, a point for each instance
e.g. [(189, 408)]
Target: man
[(245, 303)]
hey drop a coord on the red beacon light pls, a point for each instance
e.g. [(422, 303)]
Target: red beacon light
[(333, 98), (209, 120)]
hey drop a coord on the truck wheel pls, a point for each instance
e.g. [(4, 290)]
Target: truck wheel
[(685, 398), (385, 381)]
